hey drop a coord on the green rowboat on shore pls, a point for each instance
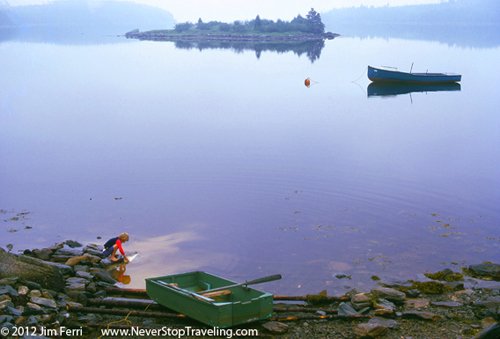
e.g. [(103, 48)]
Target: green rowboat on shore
[(210, 299)]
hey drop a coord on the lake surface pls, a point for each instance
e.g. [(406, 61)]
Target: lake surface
[(225, 162)]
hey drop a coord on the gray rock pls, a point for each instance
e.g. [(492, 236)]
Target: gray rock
[(361, 306), (275, 327), (73, 261), (64, 269), (9, 325), (32, 321), (370, 330), (413, 293), (492, 303), (33, 308), (16, 312), (46, 318), (449, 304), (6, 319), (486, 270), (103, 284), (30, 268), (93, 258), (76, 280), (384, 307), (454, 285), (72, 243), (57, 246), (68, 251), (83, 268), (85, 275), (396, 284), (343, 276), (93, 252), (360, 298), (7, 289), (49, 294), (445, 275), (421, 315), (79, 296), (23, 290), (346, 310), (35, 293), (44, 302), (44, 253), (417, 303), (95, 247), (9, 281), (389, 323), (73, 304), (32, 285), (389, 294), (61, 258), (4, 304), (4, 297), (103, 275), (75, 287), (92, 288)]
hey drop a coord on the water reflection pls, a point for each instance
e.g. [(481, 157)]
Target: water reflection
[(312, 49), (172, 253), (118, 273), (376, 89)]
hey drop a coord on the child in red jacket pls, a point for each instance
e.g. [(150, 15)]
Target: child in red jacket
[(113, 245)]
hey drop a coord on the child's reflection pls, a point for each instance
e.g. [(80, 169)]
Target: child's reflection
[(119, 274)]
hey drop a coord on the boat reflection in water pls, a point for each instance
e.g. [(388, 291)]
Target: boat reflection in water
[(381, 89)]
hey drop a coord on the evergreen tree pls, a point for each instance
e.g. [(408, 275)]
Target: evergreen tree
[(257, 23), (314, 23)]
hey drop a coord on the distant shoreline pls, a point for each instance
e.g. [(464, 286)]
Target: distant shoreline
[(168, 35)]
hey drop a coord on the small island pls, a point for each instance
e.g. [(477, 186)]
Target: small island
[(259, 30)]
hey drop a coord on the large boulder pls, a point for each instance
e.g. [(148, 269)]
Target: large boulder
[(32, 269)]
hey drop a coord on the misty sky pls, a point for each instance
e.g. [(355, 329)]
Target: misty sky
[(229, 10)]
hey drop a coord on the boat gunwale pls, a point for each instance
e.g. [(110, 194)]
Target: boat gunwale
[(412, 73), (407, 77)]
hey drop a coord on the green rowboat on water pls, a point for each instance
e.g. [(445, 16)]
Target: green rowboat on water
[(210, 299)]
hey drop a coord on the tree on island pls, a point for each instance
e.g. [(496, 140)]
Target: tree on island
[(314, 22), (311, 24), (257, 23)]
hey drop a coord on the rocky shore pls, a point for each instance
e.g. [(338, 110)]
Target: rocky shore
[(169, 36), (69, 286)]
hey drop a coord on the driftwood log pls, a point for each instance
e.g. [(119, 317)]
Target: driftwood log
[(124, 312), (28, 268)]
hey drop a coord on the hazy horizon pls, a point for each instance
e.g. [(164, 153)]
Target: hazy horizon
[(191, 10)]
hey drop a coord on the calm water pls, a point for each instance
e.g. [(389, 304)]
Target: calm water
[(226, 162)]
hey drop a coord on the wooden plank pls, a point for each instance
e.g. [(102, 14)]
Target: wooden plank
[(216, 293)]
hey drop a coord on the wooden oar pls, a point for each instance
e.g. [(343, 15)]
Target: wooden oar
[(216, 293), (251, 282), (193, 294)]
